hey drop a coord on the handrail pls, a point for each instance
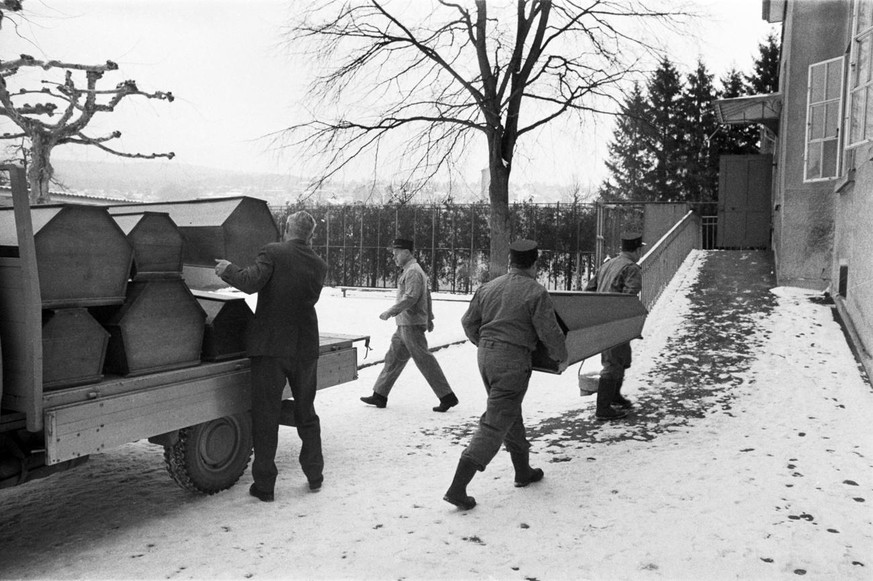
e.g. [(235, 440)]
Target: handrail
[(664, 258)]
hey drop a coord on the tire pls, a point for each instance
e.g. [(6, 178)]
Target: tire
[(211, 457)]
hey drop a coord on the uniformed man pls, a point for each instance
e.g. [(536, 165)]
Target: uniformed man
[(505, 319), (621, 274), (413, 312)]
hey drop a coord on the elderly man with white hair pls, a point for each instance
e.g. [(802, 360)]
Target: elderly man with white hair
[(282, 342)]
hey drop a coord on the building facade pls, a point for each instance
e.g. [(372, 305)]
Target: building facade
[(822, 213)]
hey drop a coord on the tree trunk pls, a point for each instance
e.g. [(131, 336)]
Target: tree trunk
[(498, 221), (39, 174)]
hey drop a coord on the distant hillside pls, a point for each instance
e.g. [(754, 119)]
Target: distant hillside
[(160, 180), (167, 180)]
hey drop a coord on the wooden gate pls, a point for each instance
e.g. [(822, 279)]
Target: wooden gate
[(744, 192)]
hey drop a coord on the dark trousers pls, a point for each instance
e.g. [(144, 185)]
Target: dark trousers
[(268, 382), (409, 342), (615, 361), (505, 371)]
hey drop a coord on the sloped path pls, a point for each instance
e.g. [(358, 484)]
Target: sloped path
[(705, 357)]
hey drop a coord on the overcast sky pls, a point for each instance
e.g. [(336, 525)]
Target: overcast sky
[(234, 84)]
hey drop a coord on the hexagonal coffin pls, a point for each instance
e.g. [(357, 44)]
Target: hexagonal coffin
[(231, 228), (592, 323), (83, 258), (159, 327), (73, 348), (156, 242), (227, 318)]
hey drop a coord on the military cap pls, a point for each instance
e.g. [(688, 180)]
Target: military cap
[(523, 251), (402, 244), (630, 241)]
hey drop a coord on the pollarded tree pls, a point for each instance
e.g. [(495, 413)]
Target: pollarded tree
[(458, 70), (62, 112), (8, 6)]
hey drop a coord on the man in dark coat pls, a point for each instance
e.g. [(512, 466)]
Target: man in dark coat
[(506, 319), (283, 343), (621, 274)]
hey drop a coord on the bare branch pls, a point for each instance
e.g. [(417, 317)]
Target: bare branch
[(76, 105)]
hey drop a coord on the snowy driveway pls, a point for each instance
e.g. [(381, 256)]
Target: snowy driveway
[(749, 457)]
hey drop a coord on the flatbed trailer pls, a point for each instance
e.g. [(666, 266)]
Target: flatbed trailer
[(199, 414)]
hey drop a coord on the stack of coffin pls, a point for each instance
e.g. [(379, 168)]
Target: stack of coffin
[(234, 229), (83, 262), (592, 323), (160, 324)]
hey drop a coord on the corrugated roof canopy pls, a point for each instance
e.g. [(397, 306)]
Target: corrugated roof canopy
[(752, 109)]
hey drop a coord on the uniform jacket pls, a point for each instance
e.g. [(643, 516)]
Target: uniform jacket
[(288, 277), (617, 275), (515, 309), (413, 303)]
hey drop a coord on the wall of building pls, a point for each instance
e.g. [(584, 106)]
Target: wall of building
[(803, 213), (853, 249)]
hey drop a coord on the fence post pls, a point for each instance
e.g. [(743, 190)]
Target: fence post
[(327, 239), (454, 255), (472, 246), (345, 255), (361, 251)]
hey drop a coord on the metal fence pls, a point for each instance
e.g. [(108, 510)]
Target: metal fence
[(664, 258), (451, 241)]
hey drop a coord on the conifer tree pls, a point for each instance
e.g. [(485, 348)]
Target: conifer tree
[(664, 89), (698, 161), (630, 162), (735, 138), (765, 75)]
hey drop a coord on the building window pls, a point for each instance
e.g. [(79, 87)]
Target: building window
[(823, 119), (860, 80)]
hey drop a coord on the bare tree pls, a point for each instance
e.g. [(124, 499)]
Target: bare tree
[(72, 108), (459, 71), (8, 6)]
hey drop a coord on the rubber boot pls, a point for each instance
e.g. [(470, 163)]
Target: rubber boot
[(446, 402), (606, 388), (457, 492), (524, 474), (619, 400)]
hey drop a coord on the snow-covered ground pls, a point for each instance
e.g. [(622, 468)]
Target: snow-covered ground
[(765, 473)]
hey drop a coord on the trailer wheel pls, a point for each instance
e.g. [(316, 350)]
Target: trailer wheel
[(211, 457)]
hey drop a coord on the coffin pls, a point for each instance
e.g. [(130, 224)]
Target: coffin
[(592, 323), (73, 348), (231, 228), (83, 258), (227, 317), (159, 327), (156, 242)]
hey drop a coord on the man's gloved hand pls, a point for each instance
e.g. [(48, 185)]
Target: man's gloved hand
[(430, 326), (385, 316)]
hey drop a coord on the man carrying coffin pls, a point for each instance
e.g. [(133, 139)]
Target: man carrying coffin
[(505, 320), (621, 274)]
